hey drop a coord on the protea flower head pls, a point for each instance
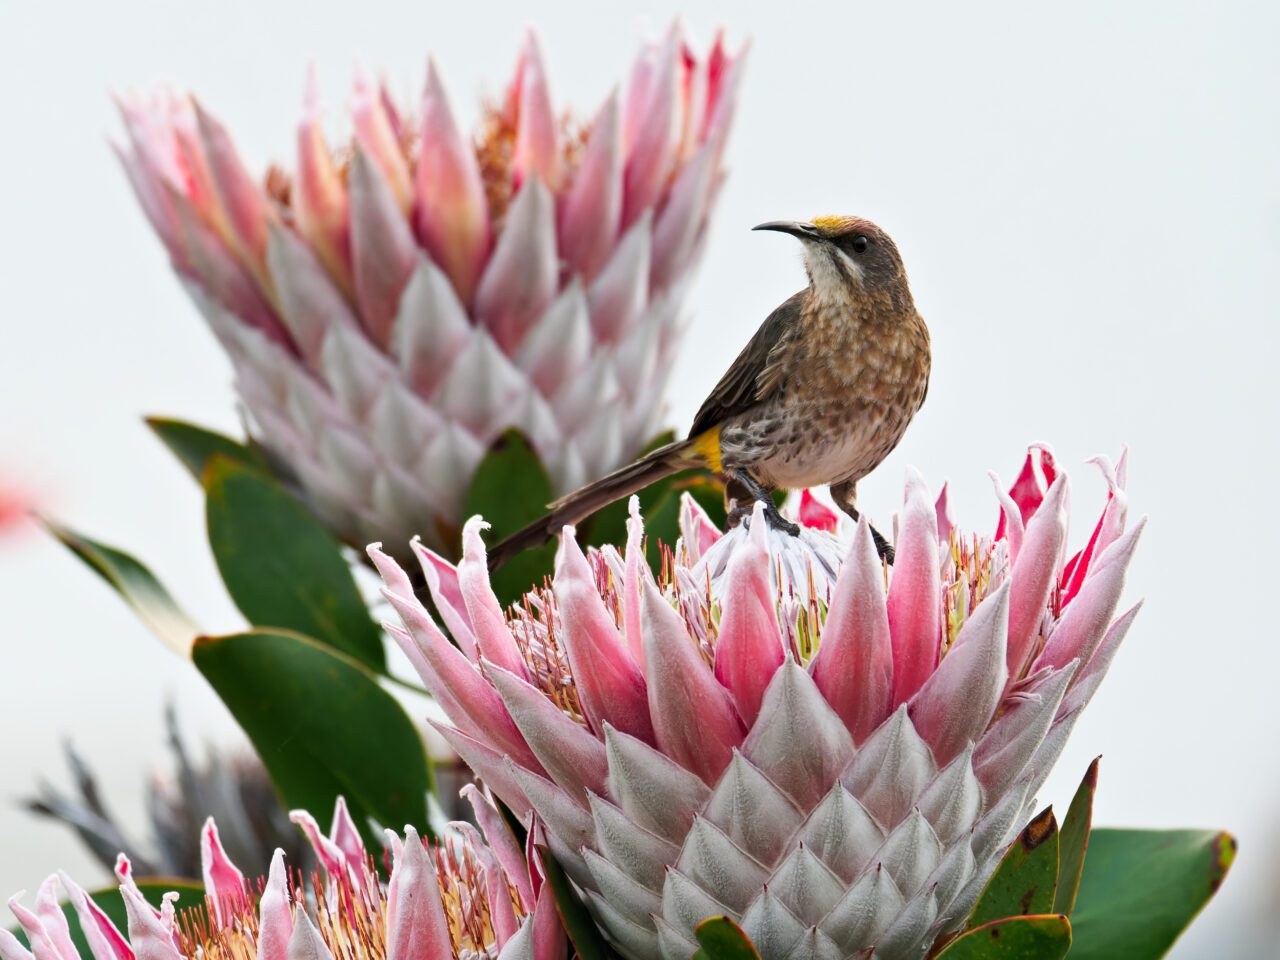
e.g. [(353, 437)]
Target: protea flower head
[(836, 764), (395, 305), (466, 898)]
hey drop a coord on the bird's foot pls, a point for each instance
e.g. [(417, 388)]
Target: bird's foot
[(741, 511), (777, 521)]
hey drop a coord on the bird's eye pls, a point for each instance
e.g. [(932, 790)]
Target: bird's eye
[(860, 244)]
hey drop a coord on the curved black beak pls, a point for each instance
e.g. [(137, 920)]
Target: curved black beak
[(805, 231)]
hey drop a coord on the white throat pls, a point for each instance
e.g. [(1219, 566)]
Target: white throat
[(830, 279)]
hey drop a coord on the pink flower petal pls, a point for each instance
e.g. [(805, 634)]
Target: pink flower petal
[(446, 594), (500, 840), (854, 665), (319, 196), (915, 593), (568, 751), (1010, 526), (1035, 573), (452, 213), (592, 209), (493, 637), (150, 936), (1084, 623), (375, 134), (610, 683), (748, 649), (12, 949), (536, 150), (942, 507), (696, 528), (416, 923), (383, 251), (653, 150), (346, 836), (309, 302), (275, 918), (693, 715), (816, 514), (238, 194), (44, 945), (331, 856), (223, 882), (55, 921), (620, 291), (957, 702), (105, 941), (679, 226), (520, 279)]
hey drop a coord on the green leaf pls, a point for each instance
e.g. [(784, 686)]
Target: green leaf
[(1024, 882), (1141, 888), (190, 894), (137, 586), (1074, 841), (323, 727), (281, 567), (588, 943), (1046, 937), (722, 939), (195, 446), (510, 489)]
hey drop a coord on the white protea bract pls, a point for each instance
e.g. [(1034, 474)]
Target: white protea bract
[(837, 764), (392, 307)]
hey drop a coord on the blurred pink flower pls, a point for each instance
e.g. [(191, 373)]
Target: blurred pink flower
[(395, 305), (834, 753)]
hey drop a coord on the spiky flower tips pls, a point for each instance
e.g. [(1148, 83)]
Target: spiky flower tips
[(783, 730), (393, 306), (471, 897)]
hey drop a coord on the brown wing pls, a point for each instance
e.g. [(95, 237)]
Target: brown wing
[(755, 374)]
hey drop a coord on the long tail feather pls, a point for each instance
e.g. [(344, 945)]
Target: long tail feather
[(582, 503)]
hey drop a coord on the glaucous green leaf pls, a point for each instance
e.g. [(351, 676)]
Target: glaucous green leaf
[(195, 446), (1025, 881), (719, 938), (190, 894), (281, 567), (1045, 937), (510, 489), (1074, 841), (323, 727), (1141, 888), (588, 942), (137, 586)]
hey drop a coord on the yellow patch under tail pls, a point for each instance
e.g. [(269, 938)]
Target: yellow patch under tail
[(707, 447)]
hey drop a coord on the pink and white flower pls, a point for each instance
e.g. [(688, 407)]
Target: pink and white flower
[(397, 303), (835, 761), (469, 897)]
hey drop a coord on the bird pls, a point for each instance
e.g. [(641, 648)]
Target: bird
[(820, 395)]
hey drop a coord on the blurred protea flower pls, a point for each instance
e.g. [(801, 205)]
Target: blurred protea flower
[(230, 786), (469, 897), (837, 765), (396, 304)]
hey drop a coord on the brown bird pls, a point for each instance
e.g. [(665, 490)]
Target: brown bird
[(820, 395)]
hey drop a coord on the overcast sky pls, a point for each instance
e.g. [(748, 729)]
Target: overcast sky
[(1086, 197)]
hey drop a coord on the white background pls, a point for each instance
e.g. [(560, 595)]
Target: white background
[(1086, 198)]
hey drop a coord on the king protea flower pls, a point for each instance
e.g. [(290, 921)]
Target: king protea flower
[(837, 765), (469, 897), (396, 304)]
